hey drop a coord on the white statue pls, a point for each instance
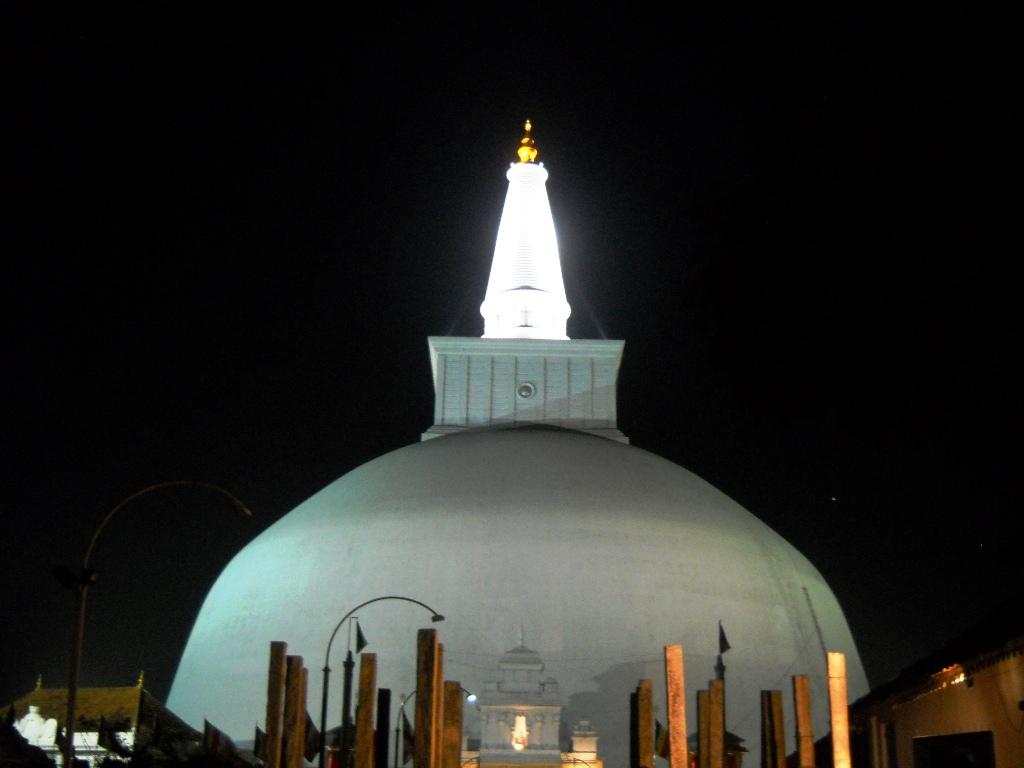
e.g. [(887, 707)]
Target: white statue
[(36, 730)]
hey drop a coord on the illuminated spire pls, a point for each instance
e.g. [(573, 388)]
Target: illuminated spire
[(525, 294), (527, 146)]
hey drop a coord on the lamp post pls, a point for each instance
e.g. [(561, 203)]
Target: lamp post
[(435, 616), (400, 725), (86, 577)]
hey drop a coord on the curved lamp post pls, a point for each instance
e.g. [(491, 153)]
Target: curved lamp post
[(400, 724), (435, 616), (87, 577)]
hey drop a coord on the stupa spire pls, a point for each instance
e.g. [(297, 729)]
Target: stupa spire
[(527, 146), (525, 294)]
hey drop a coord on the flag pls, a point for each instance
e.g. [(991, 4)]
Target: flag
[(723, 644), (108, 740), (259, 745), (312, 747), (661, 745), (216, 742), (158, 739), (360, 639), (408, 739), (211, 738)]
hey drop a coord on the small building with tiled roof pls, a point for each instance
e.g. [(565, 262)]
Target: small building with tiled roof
[(110, 720), (961, 705)]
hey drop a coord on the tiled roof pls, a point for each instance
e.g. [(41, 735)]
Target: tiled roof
[(999, 634), (125, 709)]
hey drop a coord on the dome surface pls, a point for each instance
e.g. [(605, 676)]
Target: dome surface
[(601, 552)]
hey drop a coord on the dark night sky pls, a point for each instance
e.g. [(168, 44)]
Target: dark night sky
[(232, 232)]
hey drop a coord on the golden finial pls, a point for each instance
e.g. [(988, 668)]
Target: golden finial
[(527, 146), (142, 674), (39, 681)]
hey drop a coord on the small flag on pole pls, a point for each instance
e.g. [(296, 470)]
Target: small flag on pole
[(408, 740), (108, 739), (723, 644), (360, 639), (259, 744), (312, 746), (216, 742), (661, 745)]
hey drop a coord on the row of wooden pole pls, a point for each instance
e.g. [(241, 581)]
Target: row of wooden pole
[(438, 726), (711, 719), (438, 717), (285, 742)]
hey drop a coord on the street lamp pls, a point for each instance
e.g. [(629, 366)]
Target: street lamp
[(346, 693), (400, 724), (86, 577)]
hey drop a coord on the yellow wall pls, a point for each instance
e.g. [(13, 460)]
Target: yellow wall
[(989, 703)]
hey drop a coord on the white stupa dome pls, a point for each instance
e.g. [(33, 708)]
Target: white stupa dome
[(524, 513), (601, 551)]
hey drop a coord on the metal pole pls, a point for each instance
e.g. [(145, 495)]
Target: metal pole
[(398, 724), (435, 617), (401, 721), (323, 715), (346, 712), (76, 662), (87, 577)]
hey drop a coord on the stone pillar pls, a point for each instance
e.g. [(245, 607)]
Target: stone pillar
[(451, 736), (703, 727), (644, 725), (716, 725), (428, 661), (837, 707), (804, 723), (675, 695), (773, 735), (276, 678), (364, 710), (294, 736)]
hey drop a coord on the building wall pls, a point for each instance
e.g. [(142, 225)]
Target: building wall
[(962, 700)]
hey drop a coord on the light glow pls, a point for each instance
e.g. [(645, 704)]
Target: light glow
[(520, 734), (525, 294)]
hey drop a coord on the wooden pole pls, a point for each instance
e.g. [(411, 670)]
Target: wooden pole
[(716, 725), (703, 727), (451, 736), (675, 693), (276, 677), (804, 725), (439, 706), (778, 729), (837, 707), (380, 748), (364, 710), (294, 733), (427, 653), (773, 737), (644, 724)]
